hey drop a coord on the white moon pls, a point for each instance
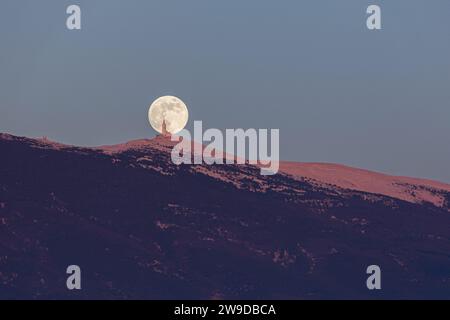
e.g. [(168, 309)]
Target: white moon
[(170, 110)]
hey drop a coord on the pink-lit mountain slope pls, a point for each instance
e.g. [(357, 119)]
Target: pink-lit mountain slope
[(404, 188), (409, 189)]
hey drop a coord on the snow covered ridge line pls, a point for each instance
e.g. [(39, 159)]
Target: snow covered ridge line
[(255, 152)]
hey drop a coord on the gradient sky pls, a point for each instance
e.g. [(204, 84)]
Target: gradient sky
[(337, 91)]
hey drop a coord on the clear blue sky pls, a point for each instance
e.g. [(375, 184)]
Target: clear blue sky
[(338, 92)]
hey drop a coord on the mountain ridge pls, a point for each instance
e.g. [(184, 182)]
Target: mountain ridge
[(415, 190)]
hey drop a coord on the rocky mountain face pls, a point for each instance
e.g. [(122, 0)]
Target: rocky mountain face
[(140, 227)]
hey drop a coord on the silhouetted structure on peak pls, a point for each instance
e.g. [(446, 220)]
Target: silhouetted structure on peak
[(164, 131)]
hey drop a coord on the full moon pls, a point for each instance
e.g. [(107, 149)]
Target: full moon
[(170, 110)]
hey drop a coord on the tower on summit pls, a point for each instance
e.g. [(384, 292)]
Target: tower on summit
[(164, 131)]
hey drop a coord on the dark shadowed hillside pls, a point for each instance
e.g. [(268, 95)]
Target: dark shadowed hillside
[(140, 227)]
